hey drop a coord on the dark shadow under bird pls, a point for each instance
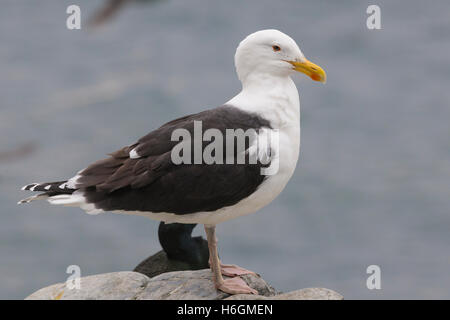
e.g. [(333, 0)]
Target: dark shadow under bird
[(180, 251)]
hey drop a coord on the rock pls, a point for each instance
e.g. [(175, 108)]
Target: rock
[(195, 285), (108, 286)]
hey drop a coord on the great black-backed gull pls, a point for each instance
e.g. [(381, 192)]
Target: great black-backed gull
[(143, 179)]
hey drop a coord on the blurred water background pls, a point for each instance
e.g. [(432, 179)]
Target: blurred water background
[(372, 184)]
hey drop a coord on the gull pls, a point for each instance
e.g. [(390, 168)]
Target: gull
[(143, 179)]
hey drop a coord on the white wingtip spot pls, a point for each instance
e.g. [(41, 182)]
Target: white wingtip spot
[(62, 186), (29, 186), (47, 187), (133, 154)]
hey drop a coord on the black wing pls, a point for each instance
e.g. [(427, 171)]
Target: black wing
[(153, 183)]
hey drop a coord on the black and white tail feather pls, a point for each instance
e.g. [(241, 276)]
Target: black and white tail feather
[(49, 189)]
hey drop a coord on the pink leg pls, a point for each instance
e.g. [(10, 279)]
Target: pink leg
[(232, 286)]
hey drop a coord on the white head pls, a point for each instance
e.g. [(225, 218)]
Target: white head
[(271, 52)]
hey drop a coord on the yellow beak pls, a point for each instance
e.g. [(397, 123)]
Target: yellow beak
[(312, 70)]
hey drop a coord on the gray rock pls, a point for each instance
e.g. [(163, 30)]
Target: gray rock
[(129, 285), (195, 285), (124, 285), (192, 285)]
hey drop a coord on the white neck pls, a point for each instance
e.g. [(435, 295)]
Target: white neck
[(274, 97)]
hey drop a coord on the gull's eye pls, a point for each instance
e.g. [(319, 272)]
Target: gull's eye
[(276, 48)]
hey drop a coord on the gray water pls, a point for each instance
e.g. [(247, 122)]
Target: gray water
[(372, 183)]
